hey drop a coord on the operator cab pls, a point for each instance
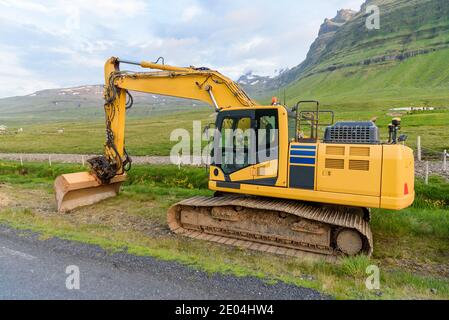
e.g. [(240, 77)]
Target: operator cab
[(246, 146)]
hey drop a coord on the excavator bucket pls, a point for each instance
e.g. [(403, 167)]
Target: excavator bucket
[(82, 189)]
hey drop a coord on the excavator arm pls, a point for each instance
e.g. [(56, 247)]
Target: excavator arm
[(108, 171)]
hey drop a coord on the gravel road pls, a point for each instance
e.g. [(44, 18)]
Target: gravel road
[(35, 269), (74, 158), (435, 168)]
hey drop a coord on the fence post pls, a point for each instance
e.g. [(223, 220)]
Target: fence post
[(427, 172), (419, 149), (49, 159), (21, 161), (82, 160), (445, 160)]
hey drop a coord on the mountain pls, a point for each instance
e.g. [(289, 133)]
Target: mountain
[(402, 62), (257, 85), (85, 102)]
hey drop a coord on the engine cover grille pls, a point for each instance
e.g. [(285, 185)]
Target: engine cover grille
[(352, 132)]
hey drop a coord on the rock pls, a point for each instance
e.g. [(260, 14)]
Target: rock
[(307, 277), (332, 25), (433, 291), (379, 293), (344, 15)]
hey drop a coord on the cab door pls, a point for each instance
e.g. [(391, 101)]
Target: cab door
[(265, 171), (247, 148)]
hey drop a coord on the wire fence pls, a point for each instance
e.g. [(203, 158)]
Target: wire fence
[(433, 155), (427, 155)]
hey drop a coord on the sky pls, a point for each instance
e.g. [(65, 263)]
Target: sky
[(53, 44)]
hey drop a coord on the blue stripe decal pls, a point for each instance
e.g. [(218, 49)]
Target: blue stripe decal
[(304, 147), (302, 153), (302, 160)]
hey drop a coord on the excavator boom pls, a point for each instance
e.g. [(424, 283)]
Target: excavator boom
[(108, 172)]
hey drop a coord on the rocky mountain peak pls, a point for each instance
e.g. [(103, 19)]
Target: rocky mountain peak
[(332, 25), (344, 15)]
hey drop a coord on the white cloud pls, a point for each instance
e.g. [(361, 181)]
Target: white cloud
[(264, 67), (111, 8), (24, 5), (16, 79), (191, 13), (65, 18), (68, 41), (352, 4), (252, 44)]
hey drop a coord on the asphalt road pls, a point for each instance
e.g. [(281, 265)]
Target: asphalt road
[(35, 269)]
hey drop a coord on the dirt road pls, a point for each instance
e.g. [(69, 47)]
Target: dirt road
[(74, 158)]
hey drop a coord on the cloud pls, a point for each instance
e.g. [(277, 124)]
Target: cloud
[(16, 79), (24, 5), (191, 13), (66, 42)]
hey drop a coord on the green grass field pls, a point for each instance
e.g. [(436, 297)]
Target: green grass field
[(151, 136), (411, 246), (147, 136)]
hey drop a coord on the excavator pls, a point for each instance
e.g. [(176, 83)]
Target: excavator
[(279, 189)]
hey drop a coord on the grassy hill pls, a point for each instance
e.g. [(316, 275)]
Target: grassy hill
[(415, 81), (362, 74), (83, 103), (403, 62)]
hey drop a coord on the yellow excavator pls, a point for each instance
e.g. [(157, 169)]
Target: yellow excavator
[(278, 189)]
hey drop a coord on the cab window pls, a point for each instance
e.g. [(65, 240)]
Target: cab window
[(267, 135), (237, 144)]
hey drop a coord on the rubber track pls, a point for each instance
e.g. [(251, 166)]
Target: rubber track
[(324, 215)]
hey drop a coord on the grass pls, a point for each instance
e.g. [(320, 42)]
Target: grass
[(147, 136), (419, 79), (151, 136), (411, 246)]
